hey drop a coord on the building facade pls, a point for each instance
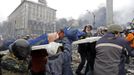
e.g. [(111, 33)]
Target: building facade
[(32, 18)]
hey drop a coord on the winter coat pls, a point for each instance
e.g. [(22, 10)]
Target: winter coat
[(130, 38), (82, 48), (111, 53), (60, 64), (12, 66)]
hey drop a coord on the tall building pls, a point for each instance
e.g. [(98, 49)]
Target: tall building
[(32, 18), (109, 12)]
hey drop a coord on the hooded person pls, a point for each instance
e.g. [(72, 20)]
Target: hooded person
[(16, 61), (59, 58), (111, 52)]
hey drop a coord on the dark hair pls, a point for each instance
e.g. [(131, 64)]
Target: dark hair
[(115, 32), (86, 27), (60, 30)]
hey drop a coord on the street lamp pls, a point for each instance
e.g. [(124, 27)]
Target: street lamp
[(93, 17)]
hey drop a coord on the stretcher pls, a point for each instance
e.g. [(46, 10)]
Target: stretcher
[(86, 40)]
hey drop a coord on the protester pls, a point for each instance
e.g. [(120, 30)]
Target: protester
[(44, 39), (59, 62), (130, 38), (17, 60), (82, 49), (101, 31), (111, 52), (70, 33), (88, 30)]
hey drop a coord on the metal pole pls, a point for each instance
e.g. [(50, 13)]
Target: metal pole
[(109, 12), (94, 19)]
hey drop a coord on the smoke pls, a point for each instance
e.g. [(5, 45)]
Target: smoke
[(125, 14), (95, 18), (100, 19)]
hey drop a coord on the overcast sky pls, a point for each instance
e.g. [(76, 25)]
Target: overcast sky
[(65, 8)]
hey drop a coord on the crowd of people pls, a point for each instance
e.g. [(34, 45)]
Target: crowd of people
[(51, 53)]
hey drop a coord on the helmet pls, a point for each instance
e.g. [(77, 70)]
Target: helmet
[(20, 48), (115, 28)]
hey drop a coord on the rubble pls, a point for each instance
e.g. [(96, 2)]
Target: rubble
[(75, 58), (130, 67), (76, 61)]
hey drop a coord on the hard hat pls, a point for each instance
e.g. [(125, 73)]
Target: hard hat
[(115, 28)]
